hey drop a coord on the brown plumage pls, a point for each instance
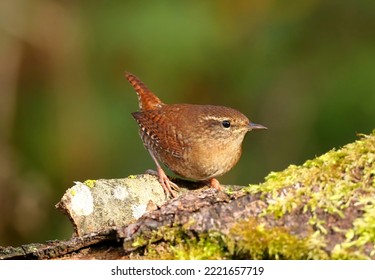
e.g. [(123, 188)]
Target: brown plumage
[(198, 142)]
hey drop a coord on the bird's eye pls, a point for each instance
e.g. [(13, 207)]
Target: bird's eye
[(225, 123)]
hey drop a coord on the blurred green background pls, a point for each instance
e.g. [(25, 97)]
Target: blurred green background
[(305, 69)]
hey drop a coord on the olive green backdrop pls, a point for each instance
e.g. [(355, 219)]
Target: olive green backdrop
[(305, 69)]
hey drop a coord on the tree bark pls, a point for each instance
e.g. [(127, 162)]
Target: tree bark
[(323, 209)]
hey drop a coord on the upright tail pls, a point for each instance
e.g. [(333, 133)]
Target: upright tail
[(146, 98)]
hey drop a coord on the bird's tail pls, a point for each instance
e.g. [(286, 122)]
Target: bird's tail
[(147, 99)]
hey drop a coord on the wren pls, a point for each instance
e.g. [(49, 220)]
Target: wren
[(196, 142)]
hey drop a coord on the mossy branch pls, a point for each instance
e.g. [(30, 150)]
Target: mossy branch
[(323, 209)]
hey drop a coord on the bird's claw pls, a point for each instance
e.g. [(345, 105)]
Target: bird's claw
[(169, 187), (214, 183)]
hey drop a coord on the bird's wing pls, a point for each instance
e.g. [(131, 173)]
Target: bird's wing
[(159, 134)]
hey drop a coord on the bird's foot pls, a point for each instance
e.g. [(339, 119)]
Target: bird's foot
[(168, 186), (214, 183)]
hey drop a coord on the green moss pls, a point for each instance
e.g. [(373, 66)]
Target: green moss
[(229, 190), (330, 182), (255, 241), (329, 185), (210, 246), (360, 235), (140, 241), (179, 244), (89, 183), (246, 240), (336, 194)]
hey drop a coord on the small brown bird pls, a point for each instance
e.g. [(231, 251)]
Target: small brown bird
[(198, 142)]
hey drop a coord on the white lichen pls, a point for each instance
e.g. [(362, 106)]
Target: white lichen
[(120, 193), (138, 210), (82, 202)]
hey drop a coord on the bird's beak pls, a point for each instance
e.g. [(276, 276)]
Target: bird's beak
[(256, 126)]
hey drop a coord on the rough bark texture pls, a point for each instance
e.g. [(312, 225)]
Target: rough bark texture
[(99, 204), (323, 209)]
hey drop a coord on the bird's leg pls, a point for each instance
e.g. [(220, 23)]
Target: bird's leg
[(214, 183), (163, 179)]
